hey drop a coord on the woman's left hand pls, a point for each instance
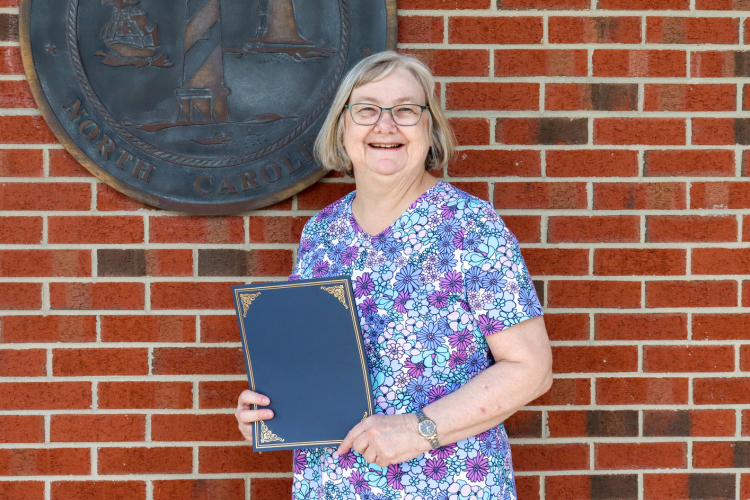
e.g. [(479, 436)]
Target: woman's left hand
[(386, 439)]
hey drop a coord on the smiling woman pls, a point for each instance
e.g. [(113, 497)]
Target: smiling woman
[(452, 325)]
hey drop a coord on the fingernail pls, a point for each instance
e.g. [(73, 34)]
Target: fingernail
[(266, 401)]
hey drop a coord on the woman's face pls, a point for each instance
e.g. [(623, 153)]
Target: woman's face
[(386, 148)]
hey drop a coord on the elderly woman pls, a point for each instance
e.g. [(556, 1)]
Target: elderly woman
[(453, 330)]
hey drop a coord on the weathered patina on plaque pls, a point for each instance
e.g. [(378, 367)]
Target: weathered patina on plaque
[(200, 106)]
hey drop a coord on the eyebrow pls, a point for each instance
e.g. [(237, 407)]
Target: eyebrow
[(399, 100)]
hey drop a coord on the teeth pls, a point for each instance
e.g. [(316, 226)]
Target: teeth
[(385, 145)]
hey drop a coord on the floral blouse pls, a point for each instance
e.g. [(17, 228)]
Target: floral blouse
[(429, 288)]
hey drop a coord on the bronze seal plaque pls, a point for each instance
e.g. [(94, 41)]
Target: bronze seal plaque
[(199, 106)]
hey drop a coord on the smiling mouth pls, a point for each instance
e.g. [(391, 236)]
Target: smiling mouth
[(381, 145)]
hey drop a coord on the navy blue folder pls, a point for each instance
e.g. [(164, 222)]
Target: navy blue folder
[(304, 350)]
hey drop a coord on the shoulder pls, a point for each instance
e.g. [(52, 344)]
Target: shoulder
[(318, 223), (471, 209)]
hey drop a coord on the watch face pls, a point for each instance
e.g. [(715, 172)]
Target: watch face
[(427, 427)]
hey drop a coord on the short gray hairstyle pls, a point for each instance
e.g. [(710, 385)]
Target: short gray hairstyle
[(329, 146)]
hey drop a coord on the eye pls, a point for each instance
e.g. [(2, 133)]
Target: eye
[(365, 110), (406, 110)]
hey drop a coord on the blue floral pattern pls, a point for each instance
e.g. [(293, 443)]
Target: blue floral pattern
[(429, 289)]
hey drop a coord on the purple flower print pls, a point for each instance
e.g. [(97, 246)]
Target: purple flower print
[(419, 386), (471, 242), (347, 460), (449, 211), (530, 303), (488, 326), (407, 279), (461, 339), (474, 278), (475, 362), (415, 370), (457, 359), (304, 246), (358, 481), (430, 336), (348, 256), (438, 299), (368, 306), (394, 475), (325, 213), (300, 463), (494, 281), (450, 226), (458, 239), (445, 262), (445, 451), (401, 301), (435, 468), (363, 286), (436, 393), (380, 241), (452, 282), (477, 468), (321, 268)]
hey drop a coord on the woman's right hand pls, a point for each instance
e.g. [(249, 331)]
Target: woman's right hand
[(245, 416)]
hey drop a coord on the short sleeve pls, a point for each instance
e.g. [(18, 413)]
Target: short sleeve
[(303, 254), (498, 287)]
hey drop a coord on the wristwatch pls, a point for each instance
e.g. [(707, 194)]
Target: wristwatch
[(427, 429)]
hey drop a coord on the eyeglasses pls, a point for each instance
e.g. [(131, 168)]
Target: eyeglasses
[(405, 115)]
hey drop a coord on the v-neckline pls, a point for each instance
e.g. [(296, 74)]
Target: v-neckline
[(358, 229)]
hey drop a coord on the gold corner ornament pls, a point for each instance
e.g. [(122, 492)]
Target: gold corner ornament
[(247, 299), (338, 292), (266, 436)]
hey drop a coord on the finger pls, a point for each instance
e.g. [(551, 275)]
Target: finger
[(361, 443), (370, 455), (248, 398), (346, 444), (250, 416)]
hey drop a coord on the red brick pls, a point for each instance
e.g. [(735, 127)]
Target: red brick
[(196, 230), (641, 391), (638, 195), (172, 460), (48, 329), (668, 326), (23, 263), (593, 359), (567, 423), (591, 96), (640, 455), (21, 163), (543, 4), (609, 229), (97, 428), (665, 97), (526, 228), (639, 63), (688, 359), (320, 195), (22, 490), (499, 163), (715, 64), (722, 5), (666, 228), (169, 262), (566, 391), (540, 195), (20, 230), (610, 294), (219, 329), (99, 230), (220, 394), (276, 229), (204, 295), (561, 326), (721, 327), (25, 130), (746, 228), (715, 391), (494, 30), (639, 262), (21, 429), (745, 422), (699, 30), (714, 455), (98, 490), (744, 358), (10, 59), (528, 487), (713, 131), (589, 29), (444, 4), (712, 422), (62, 164), (96, 295), (479, 189), (271, 488), (45, 196), (538, 62), (16, 296), (198, 360), (209, 427), (420, 29), (491, 96), (163, 395), (546, 457), (453, 62), (720, 261), (713, 195), (557, 261), (623, 486), (524, 424), (643, 4), (656, 131), (23, 362), (45, 396), (691, 294), (556, 131), (745, 485), (241, 459), (109, 199), (148, 328), (99, 361), (45, 462), (471, 131)]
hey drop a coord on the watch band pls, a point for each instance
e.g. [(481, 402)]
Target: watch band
[(429, 424)]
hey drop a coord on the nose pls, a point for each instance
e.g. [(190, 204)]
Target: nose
[(385, 123)]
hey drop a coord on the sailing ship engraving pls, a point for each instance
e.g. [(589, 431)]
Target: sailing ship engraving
[(131, 37)]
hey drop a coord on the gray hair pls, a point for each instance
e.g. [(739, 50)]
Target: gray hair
[(329, 146)]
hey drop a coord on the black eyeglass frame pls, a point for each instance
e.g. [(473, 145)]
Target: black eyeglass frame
[(390, 110)]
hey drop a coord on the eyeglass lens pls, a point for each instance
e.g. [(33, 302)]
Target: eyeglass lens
[(369, 114)]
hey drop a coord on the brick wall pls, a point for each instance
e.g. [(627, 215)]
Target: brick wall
[(611, 137)]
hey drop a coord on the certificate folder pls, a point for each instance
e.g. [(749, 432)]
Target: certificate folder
[(304, 350)]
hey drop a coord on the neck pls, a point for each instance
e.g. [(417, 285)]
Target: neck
[(381, 200)]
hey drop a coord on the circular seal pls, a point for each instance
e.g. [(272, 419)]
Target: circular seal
[(200, 106)]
